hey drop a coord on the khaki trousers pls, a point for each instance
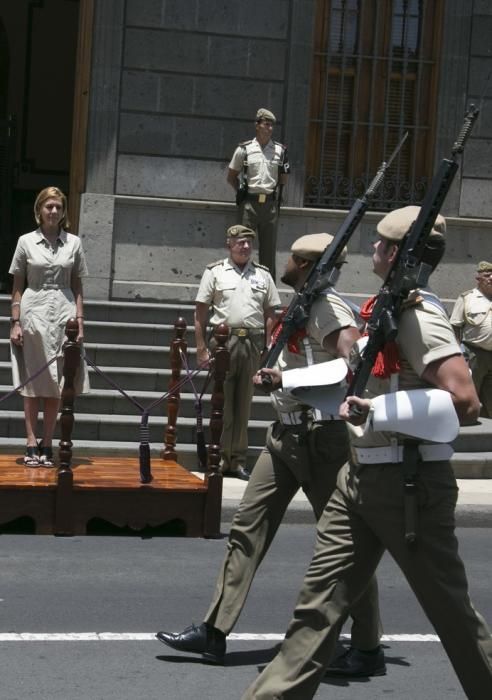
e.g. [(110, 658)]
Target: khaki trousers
[(290, 460), (363, 517), (262, 218), (481, 367), (238, 394)]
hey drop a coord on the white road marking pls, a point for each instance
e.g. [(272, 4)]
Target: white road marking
[(150, 636)]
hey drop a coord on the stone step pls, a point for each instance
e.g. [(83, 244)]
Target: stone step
[(128, 378), (144, 334), (475, 438), (121, 428), (472, 465), (120, 355), (187, 455), (102, 402), (475, 465), (125, 312)]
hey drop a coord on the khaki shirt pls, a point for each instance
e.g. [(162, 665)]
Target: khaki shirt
[(473, 313), (239, 298), (424, 336), (263, 165), (329, 313)]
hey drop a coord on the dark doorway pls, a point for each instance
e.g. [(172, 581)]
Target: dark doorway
[(38, 44)]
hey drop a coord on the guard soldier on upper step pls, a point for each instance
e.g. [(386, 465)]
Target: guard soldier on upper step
[(257, 172)]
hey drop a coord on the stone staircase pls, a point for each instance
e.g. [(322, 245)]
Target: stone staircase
[(129, 341)]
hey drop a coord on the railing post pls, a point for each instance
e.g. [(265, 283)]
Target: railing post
[(178, 346), (213, 477), (71, 362)]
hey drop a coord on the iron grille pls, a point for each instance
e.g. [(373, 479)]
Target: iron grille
[(374, 77)]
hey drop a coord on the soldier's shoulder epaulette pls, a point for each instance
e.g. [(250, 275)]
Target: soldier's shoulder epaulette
[(413, 299), (262, 267), (468, 291), (245, 143), (214, 264), (277, 143)]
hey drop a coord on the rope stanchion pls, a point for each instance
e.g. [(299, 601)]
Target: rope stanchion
[(201, 448), (144, 430)]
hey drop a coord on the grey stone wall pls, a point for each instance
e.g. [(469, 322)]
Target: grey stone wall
[(160, 248), (466, 63), (175, 85), (193, 75)]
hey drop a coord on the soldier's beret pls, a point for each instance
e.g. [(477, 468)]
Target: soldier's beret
[(395, 225), (312, 246), (263, 113), (240, 231), (484, 266)]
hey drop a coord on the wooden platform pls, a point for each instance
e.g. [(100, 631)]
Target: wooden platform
[(109, 488)]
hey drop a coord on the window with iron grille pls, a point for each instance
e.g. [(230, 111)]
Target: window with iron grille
[(374, 78)]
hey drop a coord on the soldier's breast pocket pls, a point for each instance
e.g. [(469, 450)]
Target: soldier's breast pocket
[(224, 291), (258, 287), (476, 318)]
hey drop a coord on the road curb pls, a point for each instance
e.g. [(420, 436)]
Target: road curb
[(300, 513)]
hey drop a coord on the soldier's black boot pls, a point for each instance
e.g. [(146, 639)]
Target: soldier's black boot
[(354, 663), (205, 640)]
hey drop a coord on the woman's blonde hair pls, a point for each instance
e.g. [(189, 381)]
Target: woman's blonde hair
[(51, 193)]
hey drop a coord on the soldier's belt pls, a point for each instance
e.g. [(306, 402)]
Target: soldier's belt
[(245, 332), (299, 417), (393, 455), (260, 198)]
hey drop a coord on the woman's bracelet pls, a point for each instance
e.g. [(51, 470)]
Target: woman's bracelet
[(15, 303), (14, 320), (81, 317)]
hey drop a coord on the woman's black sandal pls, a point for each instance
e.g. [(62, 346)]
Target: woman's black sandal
[(46, 458), (31, 456)]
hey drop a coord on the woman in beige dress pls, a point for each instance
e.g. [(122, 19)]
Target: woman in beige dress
[(47, 266)]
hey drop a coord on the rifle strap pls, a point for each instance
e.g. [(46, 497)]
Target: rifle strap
[(410, 465)]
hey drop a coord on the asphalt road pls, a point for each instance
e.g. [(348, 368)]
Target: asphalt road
[(81, 585)]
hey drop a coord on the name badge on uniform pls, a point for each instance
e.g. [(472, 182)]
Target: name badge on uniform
[(262, 198), (257, 282)]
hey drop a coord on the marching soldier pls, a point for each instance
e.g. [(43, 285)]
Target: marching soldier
[(305, 448), (257, 172), (366, 513)]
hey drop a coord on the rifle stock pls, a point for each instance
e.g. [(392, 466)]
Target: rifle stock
[(408, 270), (323, 274)]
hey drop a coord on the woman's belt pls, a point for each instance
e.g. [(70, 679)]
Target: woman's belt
[(46, 285)]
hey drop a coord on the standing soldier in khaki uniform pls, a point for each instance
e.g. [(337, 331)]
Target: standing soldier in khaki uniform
[(243, 295), (257, 169), (366, 513), (305, 448), (472, 322)]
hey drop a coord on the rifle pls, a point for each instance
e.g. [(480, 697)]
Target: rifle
[(408, 271), (324, 273)]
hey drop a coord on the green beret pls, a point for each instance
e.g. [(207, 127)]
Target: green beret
[(484, 266), (263, 113), (312, 247), (396, 224), (239, 231)]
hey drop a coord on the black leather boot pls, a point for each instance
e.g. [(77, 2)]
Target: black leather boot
[(205, 640), (355, 663)]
